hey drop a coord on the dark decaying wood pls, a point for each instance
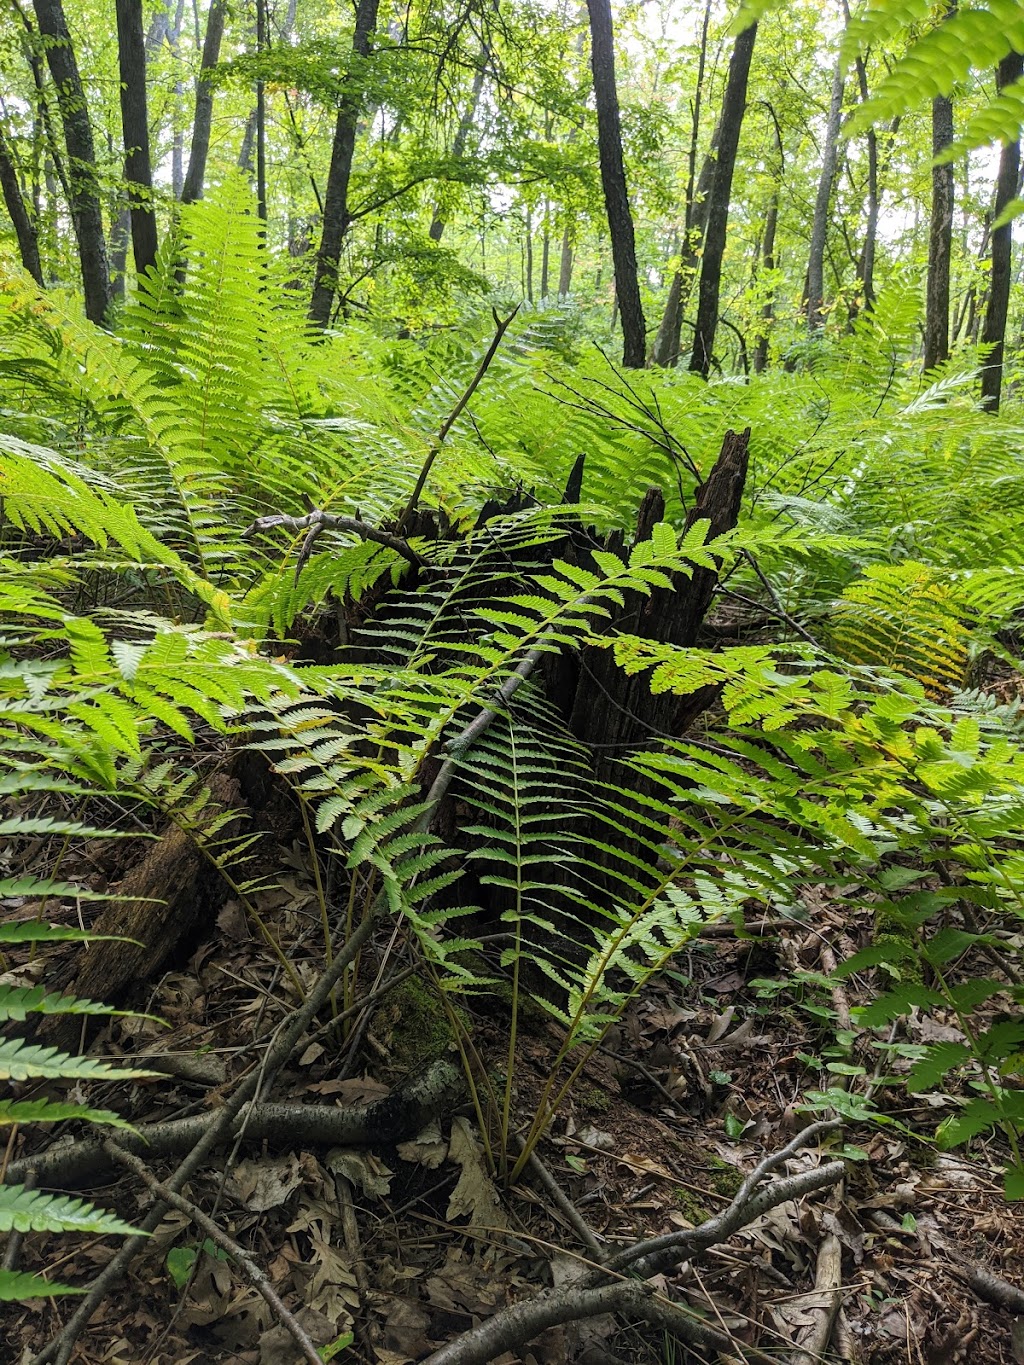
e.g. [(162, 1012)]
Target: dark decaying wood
[(613, 713), (161, 901)]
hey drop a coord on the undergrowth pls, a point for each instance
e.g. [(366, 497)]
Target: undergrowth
[(879, 540)]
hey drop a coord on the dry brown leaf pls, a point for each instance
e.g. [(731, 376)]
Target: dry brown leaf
[(474, 1195)]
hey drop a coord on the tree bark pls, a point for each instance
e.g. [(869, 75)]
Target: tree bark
[(86, 212), (1011, 68), (131, 51), (195, 177), (24, 224), (733, 108), (565, 264), (771, 222), (613, 180), (336, 210), (261, 115), (819, 224), (866, 264), (665, 350), (940, 240)]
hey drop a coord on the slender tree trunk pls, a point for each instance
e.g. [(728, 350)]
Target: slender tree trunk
[(248, 141), (24, 223), (1011, 68), (466, 124), (261, 114), (613, 180), (819, 224), (86, 211), (866, 264), (665, 350), (120, 236), (336, 217), (545, 257), (771, 222), (131, 49), (940, 240), (733, 107), (195, 177), (529, 256), (565, 264), (177, 135)]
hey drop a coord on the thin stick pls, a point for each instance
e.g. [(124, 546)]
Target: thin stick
[(316, 521), (501, 326), (565, 1205), (252, 1272)]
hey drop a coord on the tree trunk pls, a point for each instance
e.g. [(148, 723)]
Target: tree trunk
[(195, 177), (261, 115), (866, 264), (120, 236), (131, 50), (940, 240), (613, 180), (529, 257), (733, 107), (86, 213), (545, 257), (462, 133), (1011, 68), (665, 350), (24, 225), (336, 212), (819, 224), (565, 264), (771, 223)]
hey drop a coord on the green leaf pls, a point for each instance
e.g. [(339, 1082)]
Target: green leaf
[(23, 1210), (15, 1285), (179, 1262)]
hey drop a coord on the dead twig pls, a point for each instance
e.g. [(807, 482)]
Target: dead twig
[(824, 1304), (521, 1322), (316, 521), (501, 326), (252, 1272), (562, 1201)]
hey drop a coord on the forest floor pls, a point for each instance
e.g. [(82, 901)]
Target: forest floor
[(699, 1081)]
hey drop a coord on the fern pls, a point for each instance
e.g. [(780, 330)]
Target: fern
[(25, 1210)]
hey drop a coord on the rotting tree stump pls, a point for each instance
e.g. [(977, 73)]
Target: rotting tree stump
[(612, 712)]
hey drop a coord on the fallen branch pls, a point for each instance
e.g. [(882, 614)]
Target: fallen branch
[(991, 1287), (512, 1327), (317, 521), (824, 1303), (252, 1272), (394, 1117)]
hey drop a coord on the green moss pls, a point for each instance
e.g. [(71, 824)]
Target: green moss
[(413, 1024), (593, 1100), (724, 1178), (690, 1207)]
